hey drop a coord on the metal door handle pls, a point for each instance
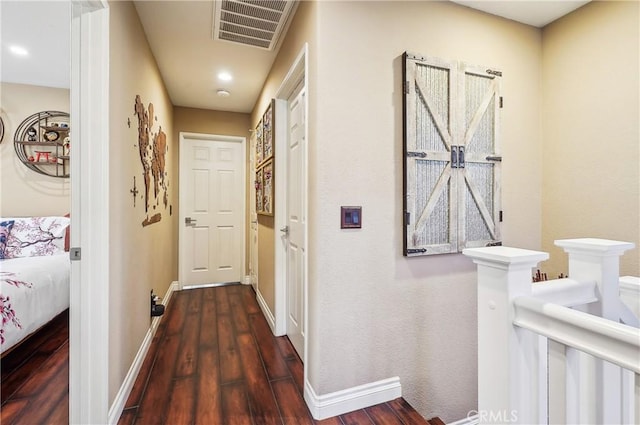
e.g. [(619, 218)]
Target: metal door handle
[(285, 230), (188, 221)]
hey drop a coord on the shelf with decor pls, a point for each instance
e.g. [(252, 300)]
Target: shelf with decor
[(42, 143)]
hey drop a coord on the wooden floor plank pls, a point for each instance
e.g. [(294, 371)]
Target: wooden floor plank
[(12, 410), (156, 395), (222, 300), (359, 417), (240, 320), (293, 409), (261, 400), (50, 368), (286, 348), (47, 399), (406, 413), (330, 421), (273, 361), (249, 300), (128, 416), (60, 414), (235, 405), (297, 372), (381, 414), (176, 314), (141, 381), (208, 403), (186, 362), (181, 408), (230, 369), (208, 328)]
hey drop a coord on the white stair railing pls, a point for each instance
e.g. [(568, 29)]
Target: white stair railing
[(522, 325)]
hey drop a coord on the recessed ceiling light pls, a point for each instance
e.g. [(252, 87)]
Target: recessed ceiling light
[(18, 51), (225, 76), (223, 93)]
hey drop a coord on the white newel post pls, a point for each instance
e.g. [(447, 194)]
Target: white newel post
[(508, 357), (599, 260)]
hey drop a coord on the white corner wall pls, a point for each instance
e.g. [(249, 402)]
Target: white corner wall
[(374, 314)]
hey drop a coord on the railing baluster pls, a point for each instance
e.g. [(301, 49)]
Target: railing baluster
[(572, 407)]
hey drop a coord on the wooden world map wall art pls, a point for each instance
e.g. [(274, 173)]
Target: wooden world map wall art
[(152, 147)]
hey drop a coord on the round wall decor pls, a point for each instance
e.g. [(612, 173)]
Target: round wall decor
[(42, 143)]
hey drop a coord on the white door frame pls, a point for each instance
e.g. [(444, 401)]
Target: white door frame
[(182, 194), (89, 286), (298, 73)]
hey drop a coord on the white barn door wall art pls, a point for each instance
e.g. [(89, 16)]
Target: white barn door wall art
[(452, 160)]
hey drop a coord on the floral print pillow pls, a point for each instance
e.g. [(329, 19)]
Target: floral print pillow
[(5, 230), (36, 236)]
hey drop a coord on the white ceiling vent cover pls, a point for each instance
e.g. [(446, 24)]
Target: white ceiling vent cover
[(257, 23)]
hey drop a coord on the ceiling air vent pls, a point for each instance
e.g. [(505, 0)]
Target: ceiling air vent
[(257, 23)]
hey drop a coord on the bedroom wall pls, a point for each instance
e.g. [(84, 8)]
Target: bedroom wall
[(24, 192), (141, 258), (375, 313), (591, 163), (193, 120)]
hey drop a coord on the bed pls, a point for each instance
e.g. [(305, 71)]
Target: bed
[(34, 275)]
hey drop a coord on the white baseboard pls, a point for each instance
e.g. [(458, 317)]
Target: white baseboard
[(469, 420), (125, 389), (247, 280), (350, 399), (271, 320)]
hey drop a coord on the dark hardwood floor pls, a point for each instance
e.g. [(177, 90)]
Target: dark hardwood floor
[(213, 360), (35, 377)]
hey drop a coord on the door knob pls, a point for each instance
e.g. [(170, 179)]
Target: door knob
[(285, 230)]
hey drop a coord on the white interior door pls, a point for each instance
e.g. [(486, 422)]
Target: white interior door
[(212, 210), (253, 218), (296, 220)]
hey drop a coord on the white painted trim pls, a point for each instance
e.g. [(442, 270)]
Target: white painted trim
[(182, 193), (247, 280), (469, 420), (350, 399), (127, 385), (88, 325), (267, 313)]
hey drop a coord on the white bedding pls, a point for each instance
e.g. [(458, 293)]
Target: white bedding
[(34, 291)]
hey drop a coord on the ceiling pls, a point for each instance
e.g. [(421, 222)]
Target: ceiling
[(180, 35)]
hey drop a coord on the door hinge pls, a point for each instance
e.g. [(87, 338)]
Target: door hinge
[(75, 254), (416, 251), (501, 102), (416, 154), (406, 87), (498, 243), (500, 216), (407, 218), (496, 73)]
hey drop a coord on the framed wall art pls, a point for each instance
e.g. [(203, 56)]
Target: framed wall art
[(259, 192), (267, 188), (259, 144), (267, 133)]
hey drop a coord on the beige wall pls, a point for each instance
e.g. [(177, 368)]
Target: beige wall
[(375, 313), (193, 120), (591, 110), (23, 192), (301, 31), (140, 258)]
